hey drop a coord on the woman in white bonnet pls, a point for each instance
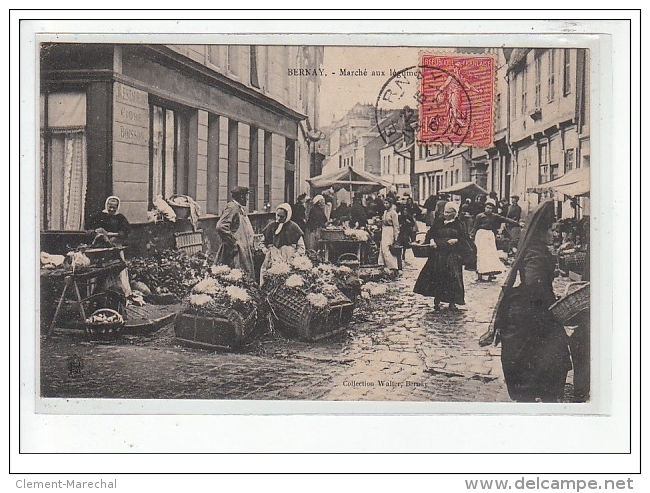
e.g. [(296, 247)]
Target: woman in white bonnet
[(442, 275), (283, 238)]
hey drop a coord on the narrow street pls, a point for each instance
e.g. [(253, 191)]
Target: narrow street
[(397, 349)]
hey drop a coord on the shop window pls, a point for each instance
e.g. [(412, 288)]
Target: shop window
[(268, 169), (538, 82), (253, 169), (233, 154), (289, 179), (566, 76), (234, 60), (515, 93), (554, 171), (569, 160), (255, 81), (551, 75), (214, 55), (63, 160), (213, 165), (289, 169), (168, 172), (544, 169), (524, 89)]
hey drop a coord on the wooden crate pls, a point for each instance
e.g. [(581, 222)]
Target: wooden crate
[(189, 241), (228, 331), (297, 318)]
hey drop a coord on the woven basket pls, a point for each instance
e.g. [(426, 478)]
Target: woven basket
[(350, 260), (572, 261), (421, 250), (573, 303), (182, 211), (228, 329), (332, 234), (298, 318), (99, 329)]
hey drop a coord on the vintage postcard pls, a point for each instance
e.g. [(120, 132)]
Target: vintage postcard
[(280, 226)]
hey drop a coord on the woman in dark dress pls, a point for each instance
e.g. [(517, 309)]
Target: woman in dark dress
[(112, 227), (534, 346), (442, 275), (408, 228), (110, 221), (316, 221), (299, 211)]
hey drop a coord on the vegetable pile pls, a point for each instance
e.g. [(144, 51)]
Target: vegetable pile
[(170, 271), (223, 288)]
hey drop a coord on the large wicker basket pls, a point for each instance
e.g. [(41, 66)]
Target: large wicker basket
[(421, 250), (226, 330), (299, 319), (575, 302), (572, 261), (182, 210)]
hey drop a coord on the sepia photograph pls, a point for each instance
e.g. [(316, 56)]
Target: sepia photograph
[(316, 246), (315, 222)]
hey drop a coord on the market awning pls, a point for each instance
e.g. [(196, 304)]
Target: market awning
[(349, 179), (465, 188), (575, 183)]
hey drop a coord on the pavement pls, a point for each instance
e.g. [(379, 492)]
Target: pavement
[(397, 348)]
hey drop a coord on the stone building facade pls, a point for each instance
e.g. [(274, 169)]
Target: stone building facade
[(141, 120)]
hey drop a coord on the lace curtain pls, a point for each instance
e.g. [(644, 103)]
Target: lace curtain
[(74, 184), (63, 161), (64, 179)]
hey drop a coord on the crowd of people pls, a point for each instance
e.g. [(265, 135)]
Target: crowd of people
[(536, 351)]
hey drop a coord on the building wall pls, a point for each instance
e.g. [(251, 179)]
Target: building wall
[(548, 116), (277, 183), (130, 141), (348, 138), (202, 162)]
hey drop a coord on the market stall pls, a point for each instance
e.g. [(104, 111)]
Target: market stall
[(350, 179), (465, 189), (338, 241), (572, 233), (80, 280)]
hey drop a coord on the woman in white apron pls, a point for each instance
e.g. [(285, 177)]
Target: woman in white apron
[(389, 233)]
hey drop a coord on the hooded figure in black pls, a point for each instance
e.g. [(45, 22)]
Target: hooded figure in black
[(534, 346)]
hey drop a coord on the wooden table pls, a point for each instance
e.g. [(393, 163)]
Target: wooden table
[(86, 280)]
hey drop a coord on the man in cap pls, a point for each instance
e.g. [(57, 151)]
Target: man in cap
[(236, 233)]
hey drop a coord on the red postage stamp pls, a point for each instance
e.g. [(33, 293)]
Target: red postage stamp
[(457, 99)]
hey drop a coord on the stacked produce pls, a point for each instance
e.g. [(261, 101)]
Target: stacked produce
[(321, 281), (170, 273), (223, 288), (223, 310)]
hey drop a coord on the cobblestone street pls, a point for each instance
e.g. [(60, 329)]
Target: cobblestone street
[(399, 350)]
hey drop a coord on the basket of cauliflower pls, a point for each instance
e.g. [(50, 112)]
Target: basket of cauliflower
[(104, 322)]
